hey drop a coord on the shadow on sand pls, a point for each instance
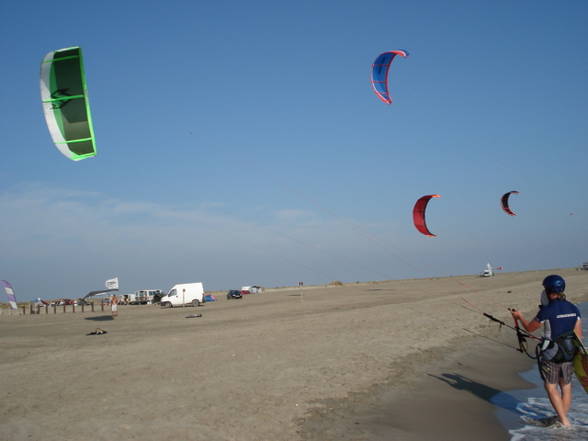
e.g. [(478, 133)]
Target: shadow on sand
[(493, 396), (100, 318)]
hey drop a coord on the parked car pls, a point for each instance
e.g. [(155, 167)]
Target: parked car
[(254, 289), (234, 294)]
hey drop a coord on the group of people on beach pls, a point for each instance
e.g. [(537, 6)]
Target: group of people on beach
[(562, 325)]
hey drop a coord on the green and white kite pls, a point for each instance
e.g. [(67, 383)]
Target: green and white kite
[(65, 103)]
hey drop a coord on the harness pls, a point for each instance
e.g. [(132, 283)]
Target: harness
[(560, 350)]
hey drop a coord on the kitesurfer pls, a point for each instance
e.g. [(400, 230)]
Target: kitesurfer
[(555, 360)]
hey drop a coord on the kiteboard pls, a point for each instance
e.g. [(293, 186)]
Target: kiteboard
[(581, 363)]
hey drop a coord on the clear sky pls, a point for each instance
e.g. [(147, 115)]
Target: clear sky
[(240, 142)]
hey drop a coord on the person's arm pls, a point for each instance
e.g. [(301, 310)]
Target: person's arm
[(578, 329), (531, 326)]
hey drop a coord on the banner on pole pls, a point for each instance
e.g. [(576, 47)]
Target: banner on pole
[(111, 283)]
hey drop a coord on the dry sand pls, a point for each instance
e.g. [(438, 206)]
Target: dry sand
[(372, 361)]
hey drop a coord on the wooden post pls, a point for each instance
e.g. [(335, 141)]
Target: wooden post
[(73, 307), (24, 309), (46, 309), (54, 308), (82, 307), (92, 306), (102, 305), (32, 310), (64, 305)]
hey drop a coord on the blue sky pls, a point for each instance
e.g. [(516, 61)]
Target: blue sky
[(240, 142)]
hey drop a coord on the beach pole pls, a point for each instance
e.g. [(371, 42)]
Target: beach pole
[(64, 305), (82, 307), (24, 309), (46, 309), (54, 308), (92, 306), (73, 307)]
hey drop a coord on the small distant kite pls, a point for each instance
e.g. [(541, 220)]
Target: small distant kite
[(380, 70), (418, 214), (65, 103), (9, 293), (504, 202)]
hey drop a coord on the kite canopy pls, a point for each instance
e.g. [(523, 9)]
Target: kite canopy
[(504, 202), (65, 103), (418, 214), (380, 70), (9, 293)]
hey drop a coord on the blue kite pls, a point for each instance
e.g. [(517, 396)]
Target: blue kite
[(380, 70)]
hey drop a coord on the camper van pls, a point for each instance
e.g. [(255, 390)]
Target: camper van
[(145, 296), (184, 294)]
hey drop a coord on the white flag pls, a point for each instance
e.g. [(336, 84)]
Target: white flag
[(112, 283)]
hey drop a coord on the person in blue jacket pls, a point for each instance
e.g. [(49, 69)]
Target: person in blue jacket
[(555, 360)]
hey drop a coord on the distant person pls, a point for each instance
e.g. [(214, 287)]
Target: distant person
[(114, 305), (555, 358)]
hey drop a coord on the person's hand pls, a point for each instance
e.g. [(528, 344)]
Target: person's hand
[(516, 314)]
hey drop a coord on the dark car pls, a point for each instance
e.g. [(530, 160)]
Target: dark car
[(234, 294)]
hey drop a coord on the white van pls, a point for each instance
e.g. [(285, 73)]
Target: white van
[(184, 294)]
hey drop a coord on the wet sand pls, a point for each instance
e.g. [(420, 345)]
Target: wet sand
[(447, 399), (369, 361)]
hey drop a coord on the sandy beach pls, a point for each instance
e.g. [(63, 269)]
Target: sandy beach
[(368, 361)]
